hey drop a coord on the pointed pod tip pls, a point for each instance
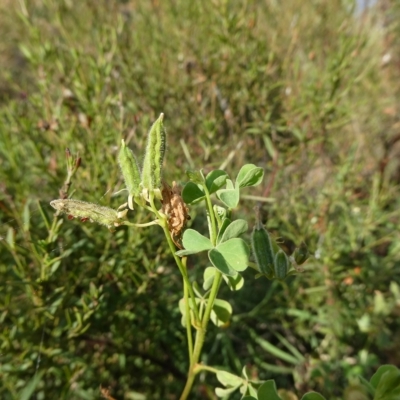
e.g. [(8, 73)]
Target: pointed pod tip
[(161, 117)]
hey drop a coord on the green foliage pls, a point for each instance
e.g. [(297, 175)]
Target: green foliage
[(306, 91)]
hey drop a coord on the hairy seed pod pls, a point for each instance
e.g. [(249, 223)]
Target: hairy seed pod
[(301, 254), (88, 211), (130, 170), (153, 158), (281, 265), (262, 246)]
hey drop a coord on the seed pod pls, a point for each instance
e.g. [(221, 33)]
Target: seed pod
[(261, 244), (281, 265), (301, 254), (153, 158), (130, 170), (88, 211)]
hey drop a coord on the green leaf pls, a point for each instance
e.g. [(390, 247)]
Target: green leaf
[(219, 262), (229, 196), (275, 351), (235, 229), (235, 254), (375, 379), (195, 176), (267, 391), (249, 175), (249, 398), (269, 146), (228, 379), (367, 385), (225, 392), (224, 225), (221, 312), (234, 282), (208, 277), (192, 194), (389, 385), (182, 308), (245, 373), (313, 396), (194, 242), (27, 392), (251, 390), (215, 180)]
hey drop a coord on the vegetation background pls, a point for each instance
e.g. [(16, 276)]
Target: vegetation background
[(307, 90)]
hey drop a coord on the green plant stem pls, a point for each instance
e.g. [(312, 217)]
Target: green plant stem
[(213, 230), (127, 223), (162, 221), (201, 332), (200, 336), (201, 367), (188, 321)]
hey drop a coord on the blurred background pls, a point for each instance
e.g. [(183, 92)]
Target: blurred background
[(307, 90)]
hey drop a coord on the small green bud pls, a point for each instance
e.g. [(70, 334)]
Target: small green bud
[(281, 265), (130, 171), (153, 159), (88, 211), (195, 176), (301, 254), (262, 246)]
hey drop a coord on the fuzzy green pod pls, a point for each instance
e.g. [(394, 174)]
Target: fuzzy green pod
[(88, 211), (262, 246), (301, 254), (281, 265), (130, 170), (153, 158)]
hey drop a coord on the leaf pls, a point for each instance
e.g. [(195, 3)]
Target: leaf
[(229, 196), (251, 390), (236, 252), (367, 385), (375, 379), (224, 225), (194, 242), (249, 398), (235, 229), (230, 256), (196, 177), (389, 385), (249, 175), (269, 146), (313, 396), (275, 351), (219, 262), (225, 392), (221, 312), (267, 391), (192, 193), (182, 308), (27, 392), (227, 379), (208, 277), (234, 282), (215, 180)]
